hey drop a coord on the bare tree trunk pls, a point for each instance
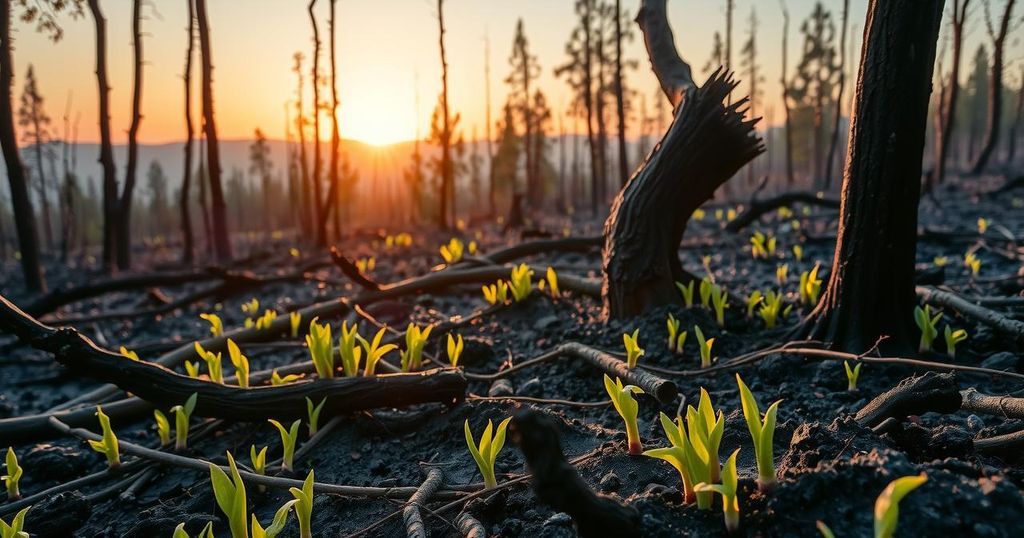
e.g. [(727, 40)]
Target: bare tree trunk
[(24, 220), (947, 106), (599, 110), (106, 149), (221, 238), (447, 188), (188, 240), (318, 196), (491, 193), (705, 145), (42, 187), (620, 105), (124, 210), (995, 91), (588, 102), (307, 212), (1012, 149), (871, 287), (335, 136), (834, 144), (790, 178)]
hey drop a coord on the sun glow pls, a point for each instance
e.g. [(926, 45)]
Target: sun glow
[(377, 118)]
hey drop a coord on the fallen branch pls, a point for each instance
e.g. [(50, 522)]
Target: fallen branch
[(1007, 326), (414, 527), (350, 270), (469, 527), (914, 395), (760, 207), (1003, 406)]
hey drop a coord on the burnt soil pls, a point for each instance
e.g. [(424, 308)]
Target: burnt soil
[(830, 468)]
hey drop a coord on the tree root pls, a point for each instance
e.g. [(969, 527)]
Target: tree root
[(414, 527), (913, 396), (1006, 326)]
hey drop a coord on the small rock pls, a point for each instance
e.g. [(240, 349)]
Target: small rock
[(501, 387), (1004, 360), (610, 482), (378, 467), (531, 388), (975, 423), (558, 519)]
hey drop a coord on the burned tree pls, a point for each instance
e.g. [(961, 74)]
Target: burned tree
[(123, 231), (871, 287), (221, 241), (994, 117), (32, 117), (106, 146), (447, 171), (948, 104), (837, 113), (785, 95), (706, 143), (188, 240)]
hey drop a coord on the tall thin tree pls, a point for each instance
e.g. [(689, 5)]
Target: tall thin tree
[(184, 201), (838, 109), (106, 159), (219, 217), (447, 170), (948, 105), (318, 197), (790, 178), (994, 118), (620, 101), (124, 204)]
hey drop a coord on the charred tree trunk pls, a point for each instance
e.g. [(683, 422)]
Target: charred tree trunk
[(447, 187), (706, 143), (588, 103), (106, 149), (306, 217), (330, 202), (491, 192), (24, 220), (188, 240), (318, 196), (790, 179), (947, 107), (221, 239), (871, 287), (834, 143), (620, 104), (993, 122), (124, 208), (1011, 150)]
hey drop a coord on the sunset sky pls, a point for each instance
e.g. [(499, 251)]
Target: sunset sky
[(386, 49)]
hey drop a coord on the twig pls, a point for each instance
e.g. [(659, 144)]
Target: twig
[(414, 527)]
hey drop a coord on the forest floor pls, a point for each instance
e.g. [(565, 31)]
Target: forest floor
[(830, 467)]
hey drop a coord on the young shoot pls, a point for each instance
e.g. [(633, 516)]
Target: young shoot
[(289, 438), (727, 489), (687, 292), (163, 427), (782, 273), (129, 354), (321, 349), (887, 505), (705, 429), (852, 375), (182, 414), (452, 252), (552, 279), (216, 325), (762, 246), (521, 283), (810, 286), (625, 404), (680, 454), (982, 225), (277, 525), (705, 291), (497, 293), (753, 300), (259, 460), (762, 433), (16, 529), (230, 495), (771, 311), (14, 472), (415, 340), (192, 369), (304, 506), (294, 321), (366, 264), (798, 253), (265, 321), (375, 351), (952, 339), (676, 339), (940, 261), (928, 324), (214, 368), (240, 362), (972, 262), (486, 453), (351, 354), (314, 415), (633, 349), (277, 379), (108, 446), (455, 346), (720, 301), (705, 347)]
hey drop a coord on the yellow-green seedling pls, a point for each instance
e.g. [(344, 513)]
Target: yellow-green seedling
[(705, 347), (982, 225), (771, 310), (14, 472), (207, 532), (730, 214), (252, 307), (633, 349), (762, 433), (940, 261), (182, 414), (351, 354), (259, 461), (16, 528), (277, 525), (972, 262), (727, 489), (129, 354), (625, 404), (496, 293), (887, 506), (230, 495), (163, 427), (277, 379), (953, 338), (240, 362), (705, 291), (266, 320), (552, 279), (782, 273), (108, 446), (785, 213), (824, 529), (719, 214), (753, 300), (321, 349), (455, 347), (810, 286), (294, 321), (928, 324), (720, 301), (366, 264), (798, 252), (705, 429), (216, 325), (680, 454), (304, 506), (375, 351), (452, 252), (676, 339), (762, 246), (415, 340), (687, 292), (486, 453), (699, 214), (471, 247), (521, 283), (289, 438), (314, 415), (192, 369), (852, 375), (214, 367)]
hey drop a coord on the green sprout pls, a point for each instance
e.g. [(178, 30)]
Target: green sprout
[(633, 349), (720, 300), (762, 433), (705, 435), (676, 339), (972, 262), (108, 446), (192, 369), (314, 415), (680, 454), (452, 252), (240, 362), (953, 338), (798, 252), (294, 321), (727, 489), (276, 378), (15, 529), (163, 427), (259, 462), (277, 525), (753, 300), (321, 350), (705, 291), (129, 354), (810, 286), (982, 225), (415, 340), (852, 375), (552, 280), (625, 404), (374, 351), (304, 506), (288, 440), (14, 472), (496, 293), (366, 264), (491, 442), (782, 273), (687, 292), (940, 261), (213, 363), (825, 531), (216, 325), (455, 346), (928, 325), (520, 283), (762, 246), (252, 307), (351, 354), (265, 321), (771, 311), (230, 495), (705, 347), (182, 414), (887, 506)]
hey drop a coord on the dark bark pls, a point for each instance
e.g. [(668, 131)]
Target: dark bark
[(915, 395), (221, 238), (447, 172), (1011, 150), (124, 208), (318, 196), (307, 212), (414, 527), (947, 106), (871, 286), (993, 123), (834, 143), (620, 105), (188, 240), (665, 391), (790, 178), (24, 220), (106, 149), (588, 103), (331, 202)]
